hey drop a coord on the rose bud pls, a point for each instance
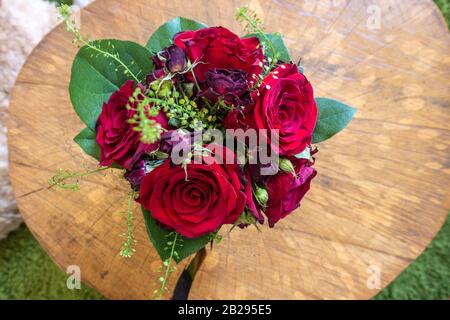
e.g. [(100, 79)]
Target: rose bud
[(171, 59), (229, 84), (261, 195), (286, 166), (176, 61)]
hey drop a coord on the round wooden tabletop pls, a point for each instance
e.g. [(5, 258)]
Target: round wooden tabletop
[(381, 194)]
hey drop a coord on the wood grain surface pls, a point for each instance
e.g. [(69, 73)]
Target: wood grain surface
[(381, 194)]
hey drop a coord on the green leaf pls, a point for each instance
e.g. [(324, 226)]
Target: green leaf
[(163, 36), (333, 117), (86, 140), (159, 237), (95, 76), (278, 43), (305, 154)]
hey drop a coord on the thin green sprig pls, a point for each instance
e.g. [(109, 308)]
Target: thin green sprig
[(65, 179), (246, 218), (215, 237), (128, 245), (66, 15), (144, 109), (253, 24), (167, 264)]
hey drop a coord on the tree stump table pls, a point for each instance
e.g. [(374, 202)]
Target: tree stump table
[(382, 190)]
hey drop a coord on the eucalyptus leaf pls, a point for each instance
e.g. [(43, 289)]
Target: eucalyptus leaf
[(96, 75), (163, 36), (333, 117), (305, 154), (277, 41), (86, 140), (159, 236)]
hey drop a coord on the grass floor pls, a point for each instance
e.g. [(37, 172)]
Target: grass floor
[(26, 271), (429, 276), (444, 5)]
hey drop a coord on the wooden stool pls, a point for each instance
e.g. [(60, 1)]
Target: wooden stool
[(381, 194)]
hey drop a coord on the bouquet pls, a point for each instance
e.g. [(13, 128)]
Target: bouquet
[(209, 129)]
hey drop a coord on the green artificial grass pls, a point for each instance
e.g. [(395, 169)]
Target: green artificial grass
[(427, 278), (58, 2), (26, 271), (444, 5)]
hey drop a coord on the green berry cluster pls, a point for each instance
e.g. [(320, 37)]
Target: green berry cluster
[(181, 109), (145, 109)]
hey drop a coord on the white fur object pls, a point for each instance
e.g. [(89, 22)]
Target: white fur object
[(82, 3), (23, 23)]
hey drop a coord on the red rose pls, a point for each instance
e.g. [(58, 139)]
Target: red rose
[(235, 119), (286, 190), (285, 102), (118, 142), (197, 203), (218, 47)]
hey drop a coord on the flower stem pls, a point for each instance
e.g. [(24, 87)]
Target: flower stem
[(127, 246), (259, 31), (168, 268), (59, 179), (253, 23), (127, 70), (65, 12)]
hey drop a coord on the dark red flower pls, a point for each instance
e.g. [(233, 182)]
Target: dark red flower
[(118, 142), (218, 47), (171, 59), (235, 119), (176, 59), (286, 190), (285, 102), (230, 85), (135, 176), (140, 170)]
